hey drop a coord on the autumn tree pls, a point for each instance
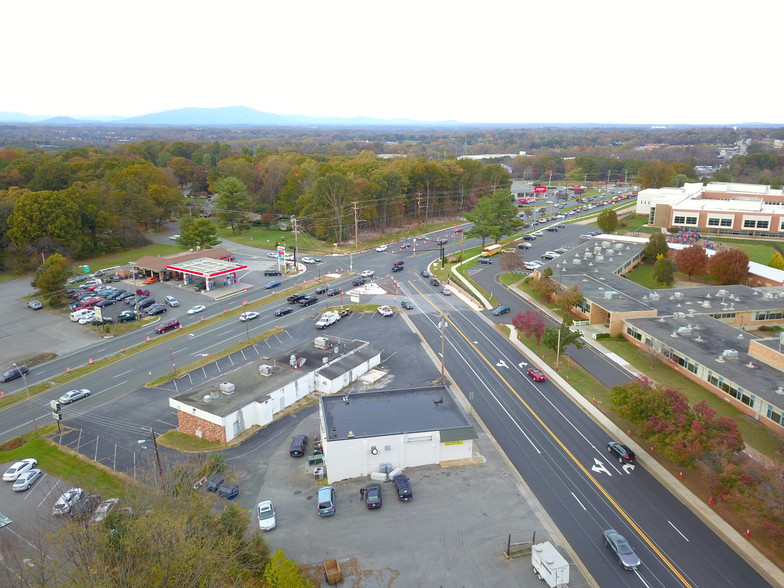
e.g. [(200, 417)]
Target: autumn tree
[(607, 220), (729, 266), (777, 261), (51, 275), (511, 262), (560, 338), (693, 260), (232, 203), (46, 222), (329, 205), (529, 323), (566, 298), (656, 245), (664, 271)]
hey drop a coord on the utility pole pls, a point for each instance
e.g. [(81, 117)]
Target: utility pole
[(443, 346), (418, 200), (356, 224), (296, 237), (157, 455)]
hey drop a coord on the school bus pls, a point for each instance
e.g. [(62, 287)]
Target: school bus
[(491, 250)]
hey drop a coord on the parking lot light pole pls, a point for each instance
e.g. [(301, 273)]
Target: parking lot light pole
[(29, 402)]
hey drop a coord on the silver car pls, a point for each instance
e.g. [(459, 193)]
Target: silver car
[(67, 500), (73, 396), (618, 544)]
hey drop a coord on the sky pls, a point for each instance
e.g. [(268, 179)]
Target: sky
[(565, 61)]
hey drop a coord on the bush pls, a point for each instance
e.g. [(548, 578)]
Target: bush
[(603, 336)]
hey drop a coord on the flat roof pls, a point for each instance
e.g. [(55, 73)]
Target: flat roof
[(158, 263), (206, 267), (393, 412), (250, 386), (708, 340)]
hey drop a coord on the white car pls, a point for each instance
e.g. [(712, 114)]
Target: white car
[(73, 396), (25, 480), (368, 274), (266, 514), (197, 308), (19, 468), (385, 311), (308, 260), (67, 500), (381, 248), (175, 237), (103, 510), (248, 316), (272, 254)]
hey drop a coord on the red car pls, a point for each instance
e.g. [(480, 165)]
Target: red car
[(536, 375), (142, 291), (398, 262), (167, 326)]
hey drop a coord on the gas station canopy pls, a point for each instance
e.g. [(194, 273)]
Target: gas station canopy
[(207, 268)]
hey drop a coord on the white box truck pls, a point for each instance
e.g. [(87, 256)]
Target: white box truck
[(549, 565)]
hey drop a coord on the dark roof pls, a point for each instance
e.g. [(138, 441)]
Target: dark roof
[(394, 412)]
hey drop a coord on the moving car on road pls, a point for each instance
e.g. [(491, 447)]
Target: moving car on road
[(272, 284), (248, 316), (283, 311), (536, 375), (167, 326), (381, 248), (326, 501), (499, 310), (622, 452), (73, 396), (14, 373), (618, 544), (406, 304), (196, 309), (368, 274)]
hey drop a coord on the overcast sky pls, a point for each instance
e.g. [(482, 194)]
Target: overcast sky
[(490, 61)]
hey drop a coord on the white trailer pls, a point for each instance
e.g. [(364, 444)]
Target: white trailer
[(549, 565)]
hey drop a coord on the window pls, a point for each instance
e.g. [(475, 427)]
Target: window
[(713, 222), (685, 220), (774, 414), (679, 220), (768, 315), (726, 222), (749, 224)]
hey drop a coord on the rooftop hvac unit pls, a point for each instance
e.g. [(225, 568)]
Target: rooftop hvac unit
[(706, 304), (599, 258), (575, 261), (679, 316), (618, 246), (779, 294), (654, 296), (768, 295), (588, 255), (227, 387), (605, 244), (265, 370), (611, 294), (730, 354), (678, 295), (722, 293), (684, 331)]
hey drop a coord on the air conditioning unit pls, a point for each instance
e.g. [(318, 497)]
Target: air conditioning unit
[(678, 295), (722, 293), (265, 370), (654, 296), (730, 354), (611, 295), (679, 316), (227, 387), (684, 332)]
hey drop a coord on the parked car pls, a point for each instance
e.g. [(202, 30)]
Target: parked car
[(146, 302), (485, 261), (373, 496), (128, 315), (26, 479), (406, 304), (299, 444), (367, 274), (156, 309), (171, 301), (14, 373), (283, 311), (529, 237), (167, 326), (106, 320), (526, 245), (150, 280), (266, 514), (85, 506), (248, 316), (272, 284), (196, 309), (175, 237), (19, 468), (385, 311), (536, 375), (403, 488), (73, 396), (618, 544), (622, 452), (35, 305), (326, 501), (142, 291), (499, 310), (105, 303), (67, 500)]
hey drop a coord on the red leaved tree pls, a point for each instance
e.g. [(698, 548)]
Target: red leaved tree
[(730, 266), (692, 261), (530, 323)]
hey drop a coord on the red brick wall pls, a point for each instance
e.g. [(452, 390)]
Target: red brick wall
[(189, 424)]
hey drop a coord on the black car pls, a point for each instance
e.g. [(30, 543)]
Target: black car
[(283, 311), (214, 482), (308, 300), (294, 298), (332, 291), (552, 229), (321, 289), (106, 302), (272, 284), (403, 488), (156, 309), (397, 268), (146, 302), (359, 281), (434, 282), (622, 452), (107, 320), (272, 272), (406, 304), (15, 373), (529, 237), (373, 495), (485, 261), (127, 315)]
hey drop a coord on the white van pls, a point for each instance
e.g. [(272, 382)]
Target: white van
[(77, 315)]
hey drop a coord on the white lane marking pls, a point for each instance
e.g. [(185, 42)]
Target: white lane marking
[(578, 501), (678, 530), (598, 467), (122, 374)]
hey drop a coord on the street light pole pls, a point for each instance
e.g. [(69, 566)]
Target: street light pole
[(29, 402)]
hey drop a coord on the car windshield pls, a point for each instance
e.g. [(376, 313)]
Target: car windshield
[(266, 514), (325, 504), (623, 546)]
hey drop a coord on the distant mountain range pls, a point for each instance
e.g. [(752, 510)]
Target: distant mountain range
[(245, 116)]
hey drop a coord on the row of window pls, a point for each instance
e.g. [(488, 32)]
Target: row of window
[(755, 224), (720, 222), (685, 220), (723, 315), (737, 393), (768, 315)]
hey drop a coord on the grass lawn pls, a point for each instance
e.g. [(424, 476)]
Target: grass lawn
[(63, 464), (757, 250), (115, 259)]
